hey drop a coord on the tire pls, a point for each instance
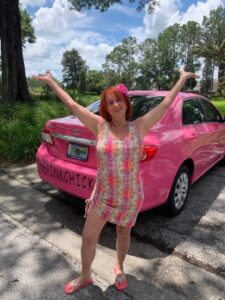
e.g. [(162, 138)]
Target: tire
[(179, 192)]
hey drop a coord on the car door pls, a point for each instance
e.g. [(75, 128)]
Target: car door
[(200, 138), (215, 126)]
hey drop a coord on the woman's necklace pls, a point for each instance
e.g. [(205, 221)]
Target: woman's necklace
[(119, 125)]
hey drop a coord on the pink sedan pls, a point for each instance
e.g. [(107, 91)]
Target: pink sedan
[(178, 150)]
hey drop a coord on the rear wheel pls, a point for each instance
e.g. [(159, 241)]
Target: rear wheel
[(179, 192)]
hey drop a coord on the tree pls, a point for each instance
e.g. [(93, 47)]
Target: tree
[(212, 44), (95, 81), (82, 85), (122, 60), (168, 57), (27, 31), (207, 77), (190, 34), (14, 85), (147, 65), (104, 5), (74, 69)]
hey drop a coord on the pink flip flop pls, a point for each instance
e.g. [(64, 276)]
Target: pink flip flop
[(120, 279), (72, 286)]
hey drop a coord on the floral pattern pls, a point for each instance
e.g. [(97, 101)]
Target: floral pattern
[(118, 193)]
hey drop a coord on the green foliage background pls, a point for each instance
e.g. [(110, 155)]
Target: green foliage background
[(21, 126)]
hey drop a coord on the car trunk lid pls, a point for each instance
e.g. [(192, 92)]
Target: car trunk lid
[(72, 141)]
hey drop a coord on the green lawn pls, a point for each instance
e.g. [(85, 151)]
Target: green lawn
[(219, 102)]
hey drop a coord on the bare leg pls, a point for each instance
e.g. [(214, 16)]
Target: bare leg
[(122, 245), (92, 229)]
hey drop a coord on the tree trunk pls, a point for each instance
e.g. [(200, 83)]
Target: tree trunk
[(14, 84)]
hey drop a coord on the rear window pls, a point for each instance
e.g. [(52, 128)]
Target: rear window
[(140, 105)]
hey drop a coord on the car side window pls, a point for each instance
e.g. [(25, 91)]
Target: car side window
[(210, 112), (192, 112)]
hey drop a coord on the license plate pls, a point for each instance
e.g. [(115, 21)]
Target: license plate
[(78, 152)]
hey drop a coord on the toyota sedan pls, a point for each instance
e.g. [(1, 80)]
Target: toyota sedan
[(178, 150)]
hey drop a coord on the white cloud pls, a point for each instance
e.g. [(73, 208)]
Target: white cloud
[(125, 10), (42, 56), (56, 20), (168, 13), (34, 3), (59, 29), (155, 23), (195, 12), (94, 54)]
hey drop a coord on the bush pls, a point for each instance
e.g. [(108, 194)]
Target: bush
[(21, 126)]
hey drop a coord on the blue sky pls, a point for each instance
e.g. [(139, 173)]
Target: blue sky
[(95, 34)]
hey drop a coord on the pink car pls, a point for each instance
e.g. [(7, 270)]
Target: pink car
[(178, 150)]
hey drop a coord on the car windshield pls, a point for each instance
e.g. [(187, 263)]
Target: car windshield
[(140, 105)]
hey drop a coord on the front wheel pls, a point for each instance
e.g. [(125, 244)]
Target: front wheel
[(179, 192)]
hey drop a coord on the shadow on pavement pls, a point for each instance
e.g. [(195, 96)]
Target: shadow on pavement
[(205, 197), (152, 226), (32, 269), (18, 261)]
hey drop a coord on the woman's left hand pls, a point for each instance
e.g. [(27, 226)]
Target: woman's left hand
[(187, 75)]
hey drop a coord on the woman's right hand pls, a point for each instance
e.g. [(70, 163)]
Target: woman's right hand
[(87, 207), (45, 78)]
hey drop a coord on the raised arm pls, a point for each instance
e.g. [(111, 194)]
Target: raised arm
[(147, 121), (89, 119)]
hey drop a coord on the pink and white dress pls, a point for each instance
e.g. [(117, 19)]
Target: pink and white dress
[(118, 193)]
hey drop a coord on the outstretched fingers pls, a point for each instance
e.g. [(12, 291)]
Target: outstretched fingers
[(186, 74), (44, 77)]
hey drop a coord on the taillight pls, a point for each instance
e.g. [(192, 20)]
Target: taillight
[(149, 152), (46, 136)]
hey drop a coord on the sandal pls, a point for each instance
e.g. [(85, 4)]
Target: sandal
[(120, 279), (73, 286)]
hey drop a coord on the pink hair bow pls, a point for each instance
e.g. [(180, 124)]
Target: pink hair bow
[(122, 88)]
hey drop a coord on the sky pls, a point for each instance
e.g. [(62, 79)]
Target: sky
[(94, 34)]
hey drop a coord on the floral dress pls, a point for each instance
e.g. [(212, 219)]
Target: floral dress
[(118, 193)]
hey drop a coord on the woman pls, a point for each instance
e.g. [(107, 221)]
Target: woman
[(118, 194)]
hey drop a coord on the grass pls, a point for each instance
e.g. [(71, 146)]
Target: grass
[(21, 126), (219, 102)]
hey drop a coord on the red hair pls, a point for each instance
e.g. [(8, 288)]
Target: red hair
[(113, 90)]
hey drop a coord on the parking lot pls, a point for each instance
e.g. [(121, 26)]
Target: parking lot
[(175, 258)]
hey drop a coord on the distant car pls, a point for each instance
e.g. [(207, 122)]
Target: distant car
[(178, 150)]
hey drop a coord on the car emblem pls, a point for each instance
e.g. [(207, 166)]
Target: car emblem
[(76, 132)]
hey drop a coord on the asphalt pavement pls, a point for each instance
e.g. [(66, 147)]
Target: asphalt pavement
[(177, 258)]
